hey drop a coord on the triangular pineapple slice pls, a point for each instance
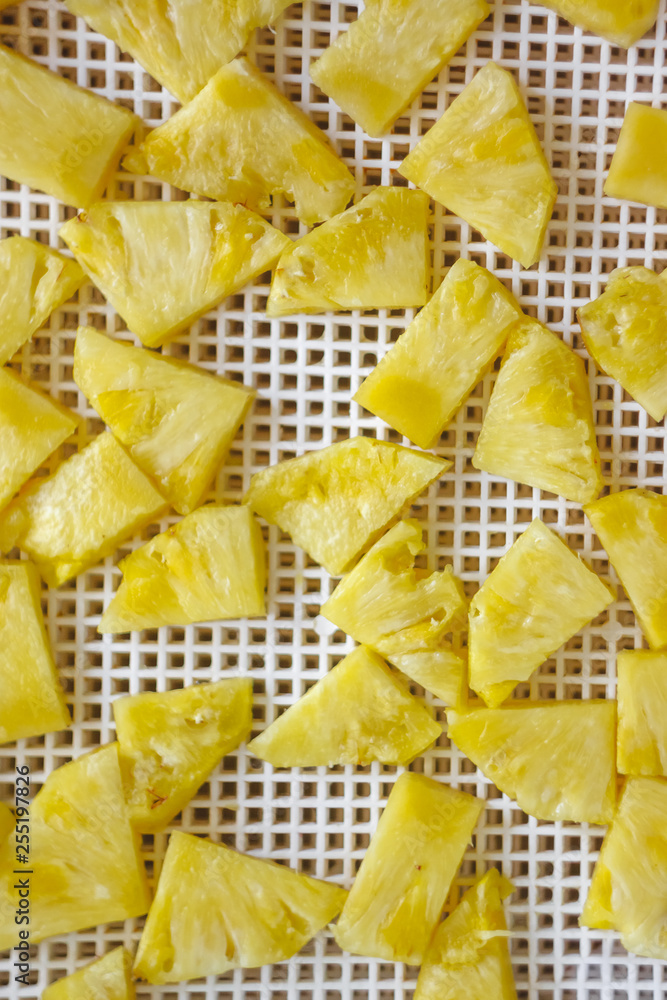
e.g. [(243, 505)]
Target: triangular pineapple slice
[(176, 421), (537, 597), (108, 978), (335, 502), (248, 912), (85, 865), (80, 514), (632, 526), (539, 426), (358, 713), (241, 140), (401, 887), (484, 162), (439, 671), (636, 172), (161, 265), (6, 822), (169, 742), (642, 712), (620, 22), (32, 699), (557, 759)]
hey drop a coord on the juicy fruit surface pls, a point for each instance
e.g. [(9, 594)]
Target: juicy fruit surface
[(400, 889), (637, 170), (539, 426), (538, 596), (642, 712), (373, 256), (169, 742), (161, 265), (269, 912), (422, 381), (106, 979), (440, 671), (176, 421), (6, 822), (484, 162), (335, 502), (240, 140), (621, 22)]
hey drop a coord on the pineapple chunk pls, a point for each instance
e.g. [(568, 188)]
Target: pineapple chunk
[(6, 822), (108, 978), (619, 21), (169, 742), (632, 526), (81, 513), (484, 162), (241, 140), (629, 885), (642, 712), (400, 890), (440, 671), (358, 713), (161, 265), (57, 137), (216, 910), (210, 565), (423, 380), (373, 256), (86, 868), (557, 759), (337, 501), (539, 427), (34, 280), (176, 421), (637, 170)]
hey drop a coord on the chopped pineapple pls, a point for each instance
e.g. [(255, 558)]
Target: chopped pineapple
[(539, 426), (82, 512), (241, 140), (537, 597), (216, 910), (423, 380), (169, 742), (108, 978), (484, 162), (373, 256), (440, 671), (337, 501), (85, 864), (642, 712), (210, 565), (619, 21), (6, 822), (161, 265), (637, 170)]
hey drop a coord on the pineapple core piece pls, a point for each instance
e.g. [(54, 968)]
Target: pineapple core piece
[(161, 265), (57, 137), (7, 822), (619, 21), (109, 978), (388, 55), (557, 759), (216, 910), (80, 514), (629, 888), (176, 421), (210, 565), (637, 170), (241, 140), (373, 256), (84, 855), (358, 713), (422, 381), (169, 742), (32, 699), (642, 712), (632, 526), (537, 597), (539, 426), (335, 502), (484, 162), (400, 890)]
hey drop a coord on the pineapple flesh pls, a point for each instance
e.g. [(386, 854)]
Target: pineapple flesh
[(6, 822), (619, 21), (108, 978), (642, 712), (440, 671), (637, 170)]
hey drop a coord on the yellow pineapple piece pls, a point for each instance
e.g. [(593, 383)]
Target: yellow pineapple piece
[(6, 822), (632, 526), (85, 864), (57, 137), (169, 742), (642, 712), (336, 502), (539, 428), (80, 514), (620, 21), (419, 385), (248, 912), (484, 162), (161, 265), (637, 170), (107, 978), (440, 671), (373, 256), (176, 421), (241, 140), (400, 890), (629, 885)]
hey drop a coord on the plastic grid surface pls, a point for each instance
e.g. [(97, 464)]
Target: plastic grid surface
[(306, 370)]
